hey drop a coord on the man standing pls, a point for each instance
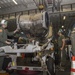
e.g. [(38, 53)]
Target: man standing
[(61, 48), (3, 34)]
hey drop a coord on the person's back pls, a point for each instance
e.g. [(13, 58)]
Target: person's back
[(3, 36)]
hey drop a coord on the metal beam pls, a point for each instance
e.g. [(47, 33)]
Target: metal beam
[(15, 9), (24, 3), (35, 3)]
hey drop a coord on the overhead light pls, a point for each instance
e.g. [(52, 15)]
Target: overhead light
[(62, 26), (64, 17), (15, 2), (0, 7)]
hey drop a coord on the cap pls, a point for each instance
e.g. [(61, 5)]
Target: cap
[(60, 31)]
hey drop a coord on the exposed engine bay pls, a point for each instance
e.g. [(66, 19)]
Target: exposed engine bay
[(37, 32), (32, 26)]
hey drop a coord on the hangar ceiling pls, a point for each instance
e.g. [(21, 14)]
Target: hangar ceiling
[(10, 3), (10, 6)]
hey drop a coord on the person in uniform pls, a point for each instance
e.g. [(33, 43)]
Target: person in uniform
[(61, 48), (3, 34)]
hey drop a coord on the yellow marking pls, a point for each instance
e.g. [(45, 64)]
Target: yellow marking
[(13, 64), (39, 53)]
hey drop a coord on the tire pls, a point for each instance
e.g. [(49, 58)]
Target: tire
[(5, 64), (50, 65), (10, 71)]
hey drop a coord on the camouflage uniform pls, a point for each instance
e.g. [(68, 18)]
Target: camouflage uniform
[(62, 53), (3, 36)]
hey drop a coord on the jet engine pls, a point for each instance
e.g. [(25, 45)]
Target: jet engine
[(35, 25)]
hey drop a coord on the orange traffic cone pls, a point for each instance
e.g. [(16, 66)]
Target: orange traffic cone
[(73, 66)]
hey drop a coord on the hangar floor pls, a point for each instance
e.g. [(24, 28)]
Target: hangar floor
[(67, 72), (67, 69), (58, 72)]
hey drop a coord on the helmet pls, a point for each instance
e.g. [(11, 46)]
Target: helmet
[(60, 31), (4, 22)]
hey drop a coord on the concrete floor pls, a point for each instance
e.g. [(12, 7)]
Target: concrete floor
[(67, 69), (66, 72), (58, 72)]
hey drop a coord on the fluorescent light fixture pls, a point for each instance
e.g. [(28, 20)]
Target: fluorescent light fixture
[(64, 17), (15, 2), (62, 26)]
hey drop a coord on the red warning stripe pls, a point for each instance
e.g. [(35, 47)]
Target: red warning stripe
[(72, 70), (73, 58)]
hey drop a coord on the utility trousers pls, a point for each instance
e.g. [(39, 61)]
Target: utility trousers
[(62, 57)]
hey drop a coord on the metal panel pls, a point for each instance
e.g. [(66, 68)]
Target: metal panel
[(67, 2), (73, 41)]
